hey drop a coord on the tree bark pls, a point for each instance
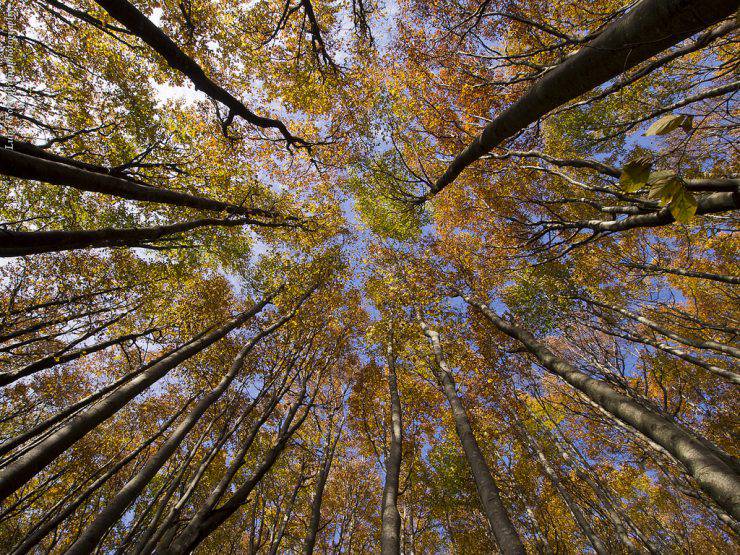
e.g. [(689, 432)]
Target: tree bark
[(62, 358), (533, 446), (649, 28), (390, 540), (20, 163), (203, 524), (498, 518), (733, 280), (118, 505), (309, 542), (715, 477), (697, 344), (19, 472), (23, 243), (138, 24), (41, 530)]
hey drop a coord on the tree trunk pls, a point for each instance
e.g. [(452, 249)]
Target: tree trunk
[(533, 446), (318, 496), (25, 162), (282, 525), (117, 506), (648, 28), (202, 525), (23, 243), (697, 344), (498, 518), (41, 530), (720, 481), (391, 519), (61, 358), (18, 473)]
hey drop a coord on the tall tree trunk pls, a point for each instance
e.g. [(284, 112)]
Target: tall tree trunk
[(533, 446), (662, 330), (717, 478), (142, 27), (203, 524), (318, 496), (156, 530), (52, 520), (57, 358), (391, 518), (20, 471), (498, 518), (117, 506), (26, 161), (619, 47), (283, 523), (22, 243), (583, 469)]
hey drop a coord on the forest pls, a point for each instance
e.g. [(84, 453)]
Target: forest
[(407, 277)]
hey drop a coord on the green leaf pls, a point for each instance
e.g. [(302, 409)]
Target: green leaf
[(668, 123), (664, 184), (683, 206), (635, 174)]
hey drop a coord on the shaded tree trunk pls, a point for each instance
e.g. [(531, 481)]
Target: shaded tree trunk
[(391, 519), (619, 47), (533, 446), (498, 518), (52, 520), (203, 524), (116, 507), (22, 243), (26, 162), (19, 472), (715, 476), (318, 496)]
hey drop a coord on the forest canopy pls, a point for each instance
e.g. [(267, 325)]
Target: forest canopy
[(369, 276)]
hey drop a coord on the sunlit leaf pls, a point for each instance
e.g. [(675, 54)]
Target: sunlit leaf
[(668, 123), (683, 205), (635, 174)]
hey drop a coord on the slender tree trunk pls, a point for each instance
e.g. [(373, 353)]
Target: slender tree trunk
[(27, 163), (733, 280), (533, 446), (23, 243), (202, 525), (282, 525), (19, 472), (156, 532), (46, 323), (614, 513), (391, 519), (498, 518), (62, 358), (318, 495), (718, 479), (723, 373), (45, 425), (697, 344), (117, 506), (51, 521)]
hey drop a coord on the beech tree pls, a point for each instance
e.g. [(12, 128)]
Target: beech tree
[(350, 276)]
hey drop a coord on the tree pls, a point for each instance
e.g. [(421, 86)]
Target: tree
[(353, 277)]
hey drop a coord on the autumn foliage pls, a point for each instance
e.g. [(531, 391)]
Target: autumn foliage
[(364, 276)]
